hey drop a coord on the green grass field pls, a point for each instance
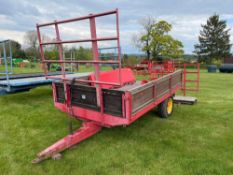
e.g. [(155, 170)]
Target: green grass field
[(22, 70), (37, 68), (195, 140)]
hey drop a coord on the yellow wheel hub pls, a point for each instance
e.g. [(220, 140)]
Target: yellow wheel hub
[(169, 106)]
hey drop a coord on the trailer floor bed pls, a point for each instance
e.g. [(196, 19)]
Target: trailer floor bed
[(24, 84), (30, 75)]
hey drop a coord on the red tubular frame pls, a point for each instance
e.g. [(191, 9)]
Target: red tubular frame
[(93, 120), (80, 18), (94, 40), (185, 75), (80, 41), (154, 74), (89, 128), (92, 62)]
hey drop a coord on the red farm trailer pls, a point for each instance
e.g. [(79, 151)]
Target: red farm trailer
[(149, 67), (103, 98)]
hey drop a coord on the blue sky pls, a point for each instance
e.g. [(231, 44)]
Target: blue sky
[(186, 16)]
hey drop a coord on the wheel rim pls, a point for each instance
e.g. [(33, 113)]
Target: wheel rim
[(169, 106)]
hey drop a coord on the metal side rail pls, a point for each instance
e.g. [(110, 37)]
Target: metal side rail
[(185, 100)]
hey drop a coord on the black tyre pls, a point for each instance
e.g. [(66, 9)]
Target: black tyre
[(165, 108)]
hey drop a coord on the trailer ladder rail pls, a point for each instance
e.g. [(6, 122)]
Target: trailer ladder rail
[(95, 52), (186, 77), (94, 39)]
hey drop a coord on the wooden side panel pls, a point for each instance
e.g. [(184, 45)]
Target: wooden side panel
[(142, 98), (113, 102), (60, 92), (154, 90), (176, 80), (84, 96), (162, 88)]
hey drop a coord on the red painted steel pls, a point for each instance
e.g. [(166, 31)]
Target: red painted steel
[(111, 120), (156, 69), (95, 58), (80, 41), (93, 120), (84, 81), (87, 130), (118, 46), (76, 61), (80, 18), (93, 40), (41, 51), (196, 81), (112, 77)]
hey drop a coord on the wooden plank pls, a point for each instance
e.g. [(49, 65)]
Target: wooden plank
[(145, 94), (185, 100), (142, 97), (128, 87), (157, 81)]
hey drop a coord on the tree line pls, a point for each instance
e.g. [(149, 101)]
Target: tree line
[(154, 40), (213, 41), (31, 51)]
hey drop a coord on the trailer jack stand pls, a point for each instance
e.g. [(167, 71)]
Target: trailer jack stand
[(87, 130)]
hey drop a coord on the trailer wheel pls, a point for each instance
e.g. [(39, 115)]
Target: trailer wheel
[(165, 108)]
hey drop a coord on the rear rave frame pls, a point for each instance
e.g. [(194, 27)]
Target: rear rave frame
[(101, 99)]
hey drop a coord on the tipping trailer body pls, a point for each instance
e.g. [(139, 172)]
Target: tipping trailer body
[(122, 105)]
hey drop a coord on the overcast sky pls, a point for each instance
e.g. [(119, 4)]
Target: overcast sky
[(186, 16)]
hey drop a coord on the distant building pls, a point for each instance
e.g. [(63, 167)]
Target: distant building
[(228, 60)]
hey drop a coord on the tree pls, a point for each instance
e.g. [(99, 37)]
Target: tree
[(51, 53), (83, 53), (31, 39), (17, 51), (32, 43), (214, 40), (163, 44), (146, 38), (156, 41)]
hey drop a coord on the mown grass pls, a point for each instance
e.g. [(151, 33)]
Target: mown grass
[(17, 70), (38, 68), (195, 140)]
